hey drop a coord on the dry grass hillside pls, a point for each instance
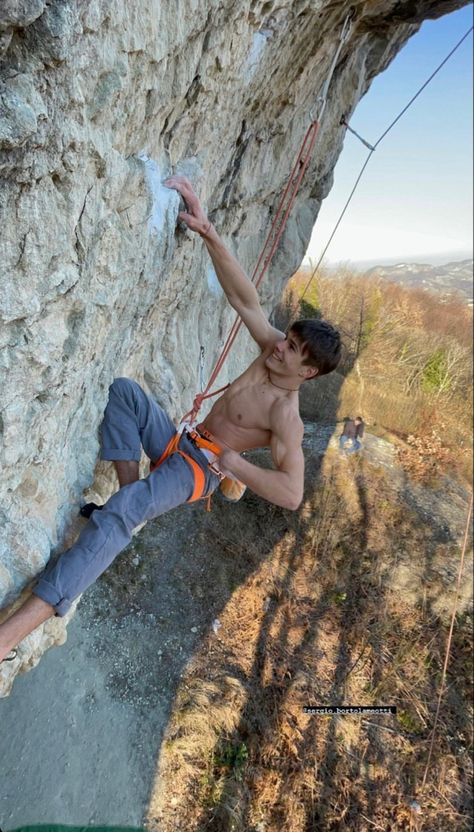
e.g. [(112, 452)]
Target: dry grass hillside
[(407, 365)]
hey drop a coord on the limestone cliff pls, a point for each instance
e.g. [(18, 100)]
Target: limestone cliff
[(99, 100)]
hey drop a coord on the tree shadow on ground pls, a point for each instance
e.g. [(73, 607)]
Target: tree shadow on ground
[(356, 602)]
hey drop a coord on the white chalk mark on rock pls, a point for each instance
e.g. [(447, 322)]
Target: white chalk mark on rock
[(165, 201), (253, 58)]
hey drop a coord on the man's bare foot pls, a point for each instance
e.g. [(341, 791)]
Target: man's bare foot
[(34, 612)]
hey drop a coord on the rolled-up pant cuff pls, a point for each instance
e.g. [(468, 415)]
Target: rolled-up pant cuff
[(50, 595), (119, 454)]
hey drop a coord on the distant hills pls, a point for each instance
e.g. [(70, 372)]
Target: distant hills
[(451, 278)]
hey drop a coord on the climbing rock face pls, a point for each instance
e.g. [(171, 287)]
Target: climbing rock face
[(99, 102)]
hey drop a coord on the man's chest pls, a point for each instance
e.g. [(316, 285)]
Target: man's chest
[(250, 406)]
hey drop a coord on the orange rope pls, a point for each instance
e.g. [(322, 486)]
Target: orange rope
[(277, 228), (283, 211)]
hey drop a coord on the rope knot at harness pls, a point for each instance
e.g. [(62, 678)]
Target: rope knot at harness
[(197, 403), (199, 398)]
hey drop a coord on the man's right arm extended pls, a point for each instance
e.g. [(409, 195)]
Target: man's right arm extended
[(240, 292)]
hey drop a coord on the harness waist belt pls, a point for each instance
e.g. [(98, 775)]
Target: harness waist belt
[(205, 442)]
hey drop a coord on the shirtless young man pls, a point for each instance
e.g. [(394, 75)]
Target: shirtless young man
[(259, 409)]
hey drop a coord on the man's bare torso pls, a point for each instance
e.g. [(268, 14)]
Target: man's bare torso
[(241, 418)]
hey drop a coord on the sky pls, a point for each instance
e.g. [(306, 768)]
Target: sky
[(414, 202)]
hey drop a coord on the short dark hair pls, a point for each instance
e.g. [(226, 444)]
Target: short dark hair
[(321, 344)]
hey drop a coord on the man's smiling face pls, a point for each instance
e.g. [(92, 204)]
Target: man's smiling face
[(287, 358)]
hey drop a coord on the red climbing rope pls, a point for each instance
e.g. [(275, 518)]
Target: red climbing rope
[(274, 236), (280, 220)]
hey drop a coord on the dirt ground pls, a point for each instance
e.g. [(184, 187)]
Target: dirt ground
[(81, 732)]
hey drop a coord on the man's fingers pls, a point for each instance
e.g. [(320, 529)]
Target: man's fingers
[(193, 215), (179, 183), (187, 218), (187, 193), (175, 184), (176, 177)]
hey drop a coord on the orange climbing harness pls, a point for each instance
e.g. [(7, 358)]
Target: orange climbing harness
[(203, 440)]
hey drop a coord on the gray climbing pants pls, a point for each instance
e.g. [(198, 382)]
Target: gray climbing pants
[(132, 420)]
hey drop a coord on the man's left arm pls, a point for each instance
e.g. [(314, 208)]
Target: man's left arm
[(283, 486)]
